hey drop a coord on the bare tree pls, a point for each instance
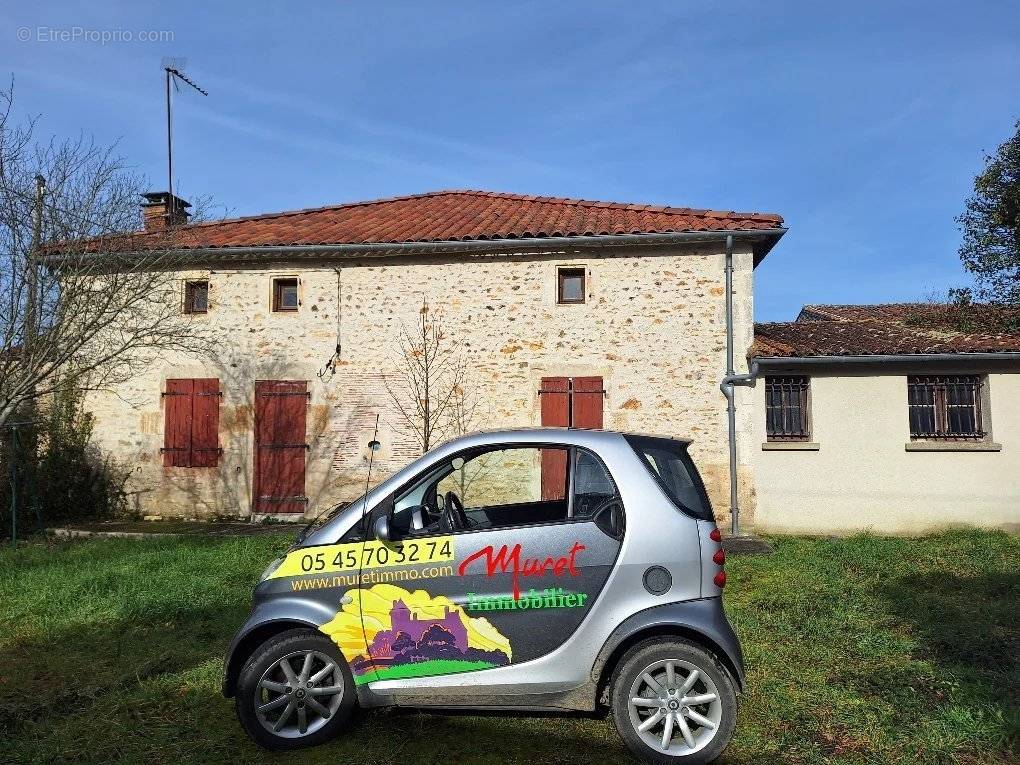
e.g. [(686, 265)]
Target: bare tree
[(71, 311), (430, 391), (464, 409)]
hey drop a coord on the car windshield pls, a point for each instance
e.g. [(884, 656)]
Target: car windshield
[(322, 518)]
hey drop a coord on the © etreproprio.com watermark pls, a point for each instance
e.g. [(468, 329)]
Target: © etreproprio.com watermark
[(97, 36)]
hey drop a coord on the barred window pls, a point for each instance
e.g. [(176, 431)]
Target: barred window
[(787, 411), (196, 296), (945, 407)]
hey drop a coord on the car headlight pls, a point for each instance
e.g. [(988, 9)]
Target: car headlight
[(270, 569)]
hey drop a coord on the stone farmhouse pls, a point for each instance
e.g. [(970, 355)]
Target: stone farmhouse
[(569, 312)]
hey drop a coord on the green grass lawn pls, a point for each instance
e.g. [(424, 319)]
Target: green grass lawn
[(864, 650)]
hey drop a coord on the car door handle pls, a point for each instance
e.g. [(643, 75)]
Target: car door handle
[(346, 600)]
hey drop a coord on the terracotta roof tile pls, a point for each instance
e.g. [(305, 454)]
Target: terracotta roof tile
[(891, 329), (450, 216)]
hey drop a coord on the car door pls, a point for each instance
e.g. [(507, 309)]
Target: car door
[(511, 586)]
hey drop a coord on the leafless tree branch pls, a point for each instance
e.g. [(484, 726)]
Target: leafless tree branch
[(79, 316), (430, 391)]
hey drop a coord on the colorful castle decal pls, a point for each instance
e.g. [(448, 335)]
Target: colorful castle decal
[(411, 634)]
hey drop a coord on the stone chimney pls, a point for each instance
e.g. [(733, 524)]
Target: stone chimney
[(162, 210)]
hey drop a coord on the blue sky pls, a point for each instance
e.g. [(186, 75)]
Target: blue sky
[(862, 123)]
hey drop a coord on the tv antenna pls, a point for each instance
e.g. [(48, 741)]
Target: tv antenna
[(172, 67)]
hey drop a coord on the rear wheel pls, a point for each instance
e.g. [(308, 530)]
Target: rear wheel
[(673, 703), (295, 691)]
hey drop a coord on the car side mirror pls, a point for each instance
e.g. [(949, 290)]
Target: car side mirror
[(381, 528)]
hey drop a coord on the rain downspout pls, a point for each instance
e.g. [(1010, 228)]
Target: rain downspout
[(726, 386)]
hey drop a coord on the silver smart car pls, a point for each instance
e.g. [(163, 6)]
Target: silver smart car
[(530, 570)]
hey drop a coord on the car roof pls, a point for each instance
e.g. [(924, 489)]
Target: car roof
[(575, 436)]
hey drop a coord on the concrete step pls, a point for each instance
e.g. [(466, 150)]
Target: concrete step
[(745, 544)]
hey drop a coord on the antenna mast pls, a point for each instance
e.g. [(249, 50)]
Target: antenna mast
[(172, 68)]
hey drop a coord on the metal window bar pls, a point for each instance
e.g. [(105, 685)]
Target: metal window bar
[(786, 408), (945, 407), (196, 297)]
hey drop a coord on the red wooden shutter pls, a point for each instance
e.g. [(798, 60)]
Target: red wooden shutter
[(205, 423), (586, 402), (177, 423), (555, 400)]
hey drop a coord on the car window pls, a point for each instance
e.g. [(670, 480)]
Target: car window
[(672, 467), (513, 486), (593, 487), (508, 487)]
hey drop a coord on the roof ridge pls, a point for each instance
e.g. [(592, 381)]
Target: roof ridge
[(576, 202), (906, 304), (875, 305), (844, 320), (566, 201), (920, 328)]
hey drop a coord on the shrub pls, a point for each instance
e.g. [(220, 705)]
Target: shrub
[(61, 474)]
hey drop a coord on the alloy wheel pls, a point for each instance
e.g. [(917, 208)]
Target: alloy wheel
[(675, 707), (299, 694)]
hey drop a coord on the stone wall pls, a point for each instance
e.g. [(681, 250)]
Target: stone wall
[(653, 327)]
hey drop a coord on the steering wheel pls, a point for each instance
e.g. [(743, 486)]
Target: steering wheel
[(453, 509)]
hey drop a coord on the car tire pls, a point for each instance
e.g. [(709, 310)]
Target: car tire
[(650, 699), (266, 691)]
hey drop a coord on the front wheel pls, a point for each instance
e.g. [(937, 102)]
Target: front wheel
[(295, 691), (673, 703)]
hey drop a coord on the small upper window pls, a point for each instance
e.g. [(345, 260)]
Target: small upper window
[(787, 401), (570, 285), (196, 296), (285, 294), (945, 407)]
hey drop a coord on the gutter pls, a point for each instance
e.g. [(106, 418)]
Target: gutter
[(781, 361), (726, 386), (766, 236)]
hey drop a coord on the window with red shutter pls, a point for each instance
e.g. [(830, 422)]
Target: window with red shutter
[(586, 402), (566, 402), (177, 423), (191, 423), (572, 402)]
